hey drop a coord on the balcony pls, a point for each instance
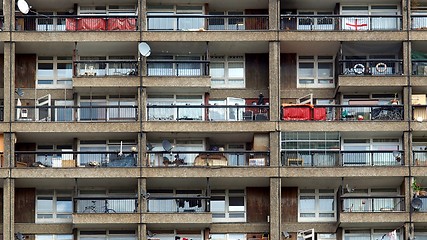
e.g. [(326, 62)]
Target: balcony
[(364, 204), (105, 68), (71, 159), (208, 113), (208, 158), (419, 157), (106, 205), (332, 158), (419, 22), (187, 68), (340, 23), (306, 112), (61, 23), (178, 204), (419, 67), (94, 113), (186, 22), (371, 67)]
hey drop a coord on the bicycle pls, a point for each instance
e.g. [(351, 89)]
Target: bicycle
[(92, 208)]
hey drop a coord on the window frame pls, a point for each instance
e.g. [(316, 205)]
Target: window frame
[(315, 77), (227, 60), (54, 212), (317, 194), (174, 100), (226, 194)]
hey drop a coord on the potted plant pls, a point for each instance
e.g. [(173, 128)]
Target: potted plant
[(416, 187)]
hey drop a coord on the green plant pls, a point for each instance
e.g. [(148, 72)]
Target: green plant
[(415, 186)]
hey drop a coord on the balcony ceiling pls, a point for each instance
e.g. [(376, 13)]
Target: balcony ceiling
[(220, 4), (61, 5), (327, 4), (201, 183), (315, 48), (215, 48), (67, 138), (214, 138)]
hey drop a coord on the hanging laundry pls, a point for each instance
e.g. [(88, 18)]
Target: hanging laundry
[(392, 235)]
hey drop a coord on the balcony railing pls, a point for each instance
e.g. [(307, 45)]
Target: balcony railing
[(373, 204), (178, 204), (419, 22), (419, 67), (70, 159), (106, 205), (53, 23), (94, 113), (208, 112), (177, 67), (330, 158), (375, 67), (419, 158), (340, 23), (191, 22), (101, 68), (296, 112), (208, 158)]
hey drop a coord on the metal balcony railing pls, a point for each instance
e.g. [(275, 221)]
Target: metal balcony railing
[(419, 22), (187, 68), (208, 112), (208, 158), (95, 113), (373, 204), (306, 112), (419, 157), (101, 68), (332, 158), (340, 23), (419, 67), (70, 159), (374, 67), (52, 23), (192, 22), (178, 204), (106, 205)]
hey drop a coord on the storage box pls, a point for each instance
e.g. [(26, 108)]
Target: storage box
[(257, 162), (418, 99)]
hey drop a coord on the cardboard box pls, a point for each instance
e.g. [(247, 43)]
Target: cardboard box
[(418, 99)]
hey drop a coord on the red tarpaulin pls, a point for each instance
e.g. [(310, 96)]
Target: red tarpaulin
[(85, 24), (300, 112), (319, 114), (121, 24)]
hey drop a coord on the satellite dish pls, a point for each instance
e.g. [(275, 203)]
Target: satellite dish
[(349, 189), (167, 146), (150, 234), (417, 203), (149, 146), (23, 6), (19, 236), (144, 49)]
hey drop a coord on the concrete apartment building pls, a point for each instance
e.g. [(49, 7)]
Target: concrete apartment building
[(251, 119)]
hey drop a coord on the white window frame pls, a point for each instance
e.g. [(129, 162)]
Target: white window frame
[(107, 235), (91, 10), (316, 19), (374, 234), (156, 159), (230, 114), (54, 157), (53, 23), (54, 212), (226, 194), (371, 12), (174, 100), (316, 78), (174, 10), (226, 60), (174, 70), (108, 100), (109, 145), (103, 69), (370, 144), (55, 78), (317, 196), (228, 236), (227, 25), (54, 236)]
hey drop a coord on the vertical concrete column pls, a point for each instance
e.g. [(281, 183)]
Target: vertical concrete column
[(406, 53), (274, 80), (275, 160), (9, 150), (273, 14), (142, 231), (142, 95), (407, 147), (142, 153), (406, 22), (142, 195), (9, 14), (142, 14), (406, 97), (407, 192), (8, 209), (275, 205), (408, 231), (9, 81)]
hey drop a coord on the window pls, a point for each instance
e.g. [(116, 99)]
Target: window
[(228, 205), (172, 112), (317, 205), (172, 23), (117, 200), (54, 159), (108, 235), (226, 23), (108, 108), (228, 236), (227, 114), (51, 23), (54, 237), (179, 234), (108, 9), (376, 200), (54, 72), (164, 159), (317, 22), (371, 23), (316, 72), (180, 201), (107, 66), (362, 152), (54, 206), (371, 234), (165, 66), (310, 148), (370, 62), (227, 71), (103, 159)]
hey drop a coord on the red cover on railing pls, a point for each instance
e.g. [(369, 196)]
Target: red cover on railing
[(121, 24), (70, 24), (302, 112), (319, 114), (85, 24)]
